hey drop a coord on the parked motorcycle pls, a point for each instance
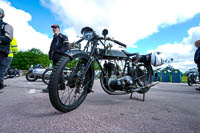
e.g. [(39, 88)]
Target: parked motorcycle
[(121, 72), (193, 78), (11, 73)]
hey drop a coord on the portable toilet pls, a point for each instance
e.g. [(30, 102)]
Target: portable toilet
[(156, 76), (176, 76), (165, 75)]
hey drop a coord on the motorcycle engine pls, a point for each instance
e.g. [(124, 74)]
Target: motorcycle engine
[(122, 83)]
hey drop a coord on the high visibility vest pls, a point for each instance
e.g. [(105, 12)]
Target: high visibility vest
[(13, 48)]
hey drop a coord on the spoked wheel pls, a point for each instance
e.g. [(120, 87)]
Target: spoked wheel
[(144, 74), (46, 76), (76, 84)]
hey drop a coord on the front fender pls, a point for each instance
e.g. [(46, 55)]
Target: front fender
[(75, 53)]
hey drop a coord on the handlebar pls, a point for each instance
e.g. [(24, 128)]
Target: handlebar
[(101, 38), (115, 41), (119, 43)]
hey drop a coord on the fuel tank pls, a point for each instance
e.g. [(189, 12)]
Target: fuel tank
[(110, 54)]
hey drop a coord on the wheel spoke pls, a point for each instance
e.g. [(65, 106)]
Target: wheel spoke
[(68, 96)]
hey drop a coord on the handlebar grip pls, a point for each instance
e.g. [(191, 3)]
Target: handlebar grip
[(119, 43)]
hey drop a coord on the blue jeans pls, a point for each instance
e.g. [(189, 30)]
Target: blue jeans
[(4, 67)]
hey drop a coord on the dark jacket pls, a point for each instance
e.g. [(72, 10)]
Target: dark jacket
[(59, 45), (6, 36), (197, 57)]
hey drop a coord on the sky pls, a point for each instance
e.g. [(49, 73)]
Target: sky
[(168, 26)]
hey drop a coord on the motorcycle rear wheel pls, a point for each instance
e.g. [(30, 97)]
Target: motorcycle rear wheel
[(144, 70), (31, 77), (189, 82), (46, 77)]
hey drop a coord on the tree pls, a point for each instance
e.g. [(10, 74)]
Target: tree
[(24, 59)]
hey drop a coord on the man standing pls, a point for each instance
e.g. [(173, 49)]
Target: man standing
[(197, 58), (6, 36), (59, 46), (8, 60)]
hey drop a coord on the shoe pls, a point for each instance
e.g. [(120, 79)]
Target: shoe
[(2, 86), (62, 87), (46, 90), (198, 89)]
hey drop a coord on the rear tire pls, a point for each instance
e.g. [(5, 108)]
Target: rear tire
[(46, 77), (189, 82), (31, 77), (146, 70), (72, 83)]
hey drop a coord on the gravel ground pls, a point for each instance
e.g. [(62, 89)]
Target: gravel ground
[(169, 108)]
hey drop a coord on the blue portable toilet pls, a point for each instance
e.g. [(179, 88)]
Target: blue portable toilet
[(166, 75), (176, 76), (156, 76)]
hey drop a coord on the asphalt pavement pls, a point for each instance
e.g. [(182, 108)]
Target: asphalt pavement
[(168, 108)]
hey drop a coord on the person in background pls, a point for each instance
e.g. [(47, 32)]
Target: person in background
[(59, 46), (6, 36), (31, 68), (197, 58), (13, 51), (8, 60)]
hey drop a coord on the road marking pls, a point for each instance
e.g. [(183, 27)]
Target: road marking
[(32, 91)]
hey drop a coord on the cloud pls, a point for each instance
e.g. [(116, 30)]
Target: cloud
[(26, 36), (183, 52), (127, 20)]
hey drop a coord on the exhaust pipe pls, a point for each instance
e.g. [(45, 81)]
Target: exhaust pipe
[(147, 86)]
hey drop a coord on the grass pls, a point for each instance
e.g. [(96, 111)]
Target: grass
[(184, 79)]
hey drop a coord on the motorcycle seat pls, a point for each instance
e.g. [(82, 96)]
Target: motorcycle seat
[(130, 54)]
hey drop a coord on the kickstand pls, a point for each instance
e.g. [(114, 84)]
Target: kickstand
[(143, 98)]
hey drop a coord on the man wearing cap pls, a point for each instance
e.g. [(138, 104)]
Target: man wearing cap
[(59, 46), (6, 36)]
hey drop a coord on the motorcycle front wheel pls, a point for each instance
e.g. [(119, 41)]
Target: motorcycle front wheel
[(76, 85)]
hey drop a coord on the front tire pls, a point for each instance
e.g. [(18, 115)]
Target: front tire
[(74, 83)]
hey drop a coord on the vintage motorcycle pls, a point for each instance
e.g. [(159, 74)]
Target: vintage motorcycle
[(121, 72), (193, 78)]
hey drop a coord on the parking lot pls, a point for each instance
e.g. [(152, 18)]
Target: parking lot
[(169, 108)]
